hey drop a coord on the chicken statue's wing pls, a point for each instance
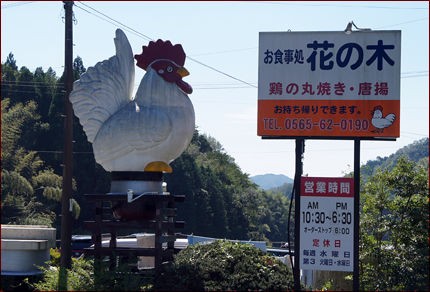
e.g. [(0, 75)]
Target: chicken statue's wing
[(105, 88)]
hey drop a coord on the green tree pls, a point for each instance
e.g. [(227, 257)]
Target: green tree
[(394, 229), (78, 67), (10, 61), (30, 190), (277, 216), (221, 201), (9, 72), (45, 89), (418, 151)]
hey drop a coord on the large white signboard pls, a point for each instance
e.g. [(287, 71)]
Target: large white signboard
[(329, 84), (326, 224)]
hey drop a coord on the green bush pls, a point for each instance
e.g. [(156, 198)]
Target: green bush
[(81, 277), (221, 265), (224, 265), (78, 278)]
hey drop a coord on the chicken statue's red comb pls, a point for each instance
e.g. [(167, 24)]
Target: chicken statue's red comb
[(160, 50)]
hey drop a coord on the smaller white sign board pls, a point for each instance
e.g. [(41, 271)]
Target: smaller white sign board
[(327, 224)]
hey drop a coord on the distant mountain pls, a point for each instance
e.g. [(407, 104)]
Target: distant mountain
[(270, 180)]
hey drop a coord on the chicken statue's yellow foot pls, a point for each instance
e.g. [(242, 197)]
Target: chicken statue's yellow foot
[(158, 166), (144, 133)]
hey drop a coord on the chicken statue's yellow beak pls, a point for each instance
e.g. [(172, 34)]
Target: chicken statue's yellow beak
[(182, 72)]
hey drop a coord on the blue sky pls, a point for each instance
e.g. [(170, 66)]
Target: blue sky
[(221, 39)]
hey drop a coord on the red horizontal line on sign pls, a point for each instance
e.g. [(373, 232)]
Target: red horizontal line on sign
[(351, 195)]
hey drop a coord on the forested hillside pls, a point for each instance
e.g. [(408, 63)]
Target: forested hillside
[(417, 152), (221, 201)]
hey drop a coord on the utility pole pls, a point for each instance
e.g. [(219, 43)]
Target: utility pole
[(66, 206)]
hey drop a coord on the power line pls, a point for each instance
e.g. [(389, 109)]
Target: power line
[(406, 22), (12, 5), (226, 51), (221, 72), (230, 87), (417, 134), (415, 76), (314, 150), (30, 84), (111, 21), (203, 86), (415, 72), (61, 152), (341, 6)]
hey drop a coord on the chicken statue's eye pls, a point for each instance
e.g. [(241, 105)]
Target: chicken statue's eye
[(169, 69)]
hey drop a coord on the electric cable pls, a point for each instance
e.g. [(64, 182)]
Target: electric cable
[(111, 20), (288, 226)]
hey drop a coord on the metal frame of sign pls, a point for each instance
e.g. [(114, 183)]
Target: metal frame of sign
[(300, 149), (329, 85)]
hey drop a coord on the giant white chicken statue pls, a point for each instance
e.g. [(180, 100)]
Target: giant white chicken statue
[(144, 133)]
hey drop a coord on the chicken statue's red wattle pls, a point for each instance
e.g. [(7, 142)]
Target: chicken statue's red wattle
[(144, 133)]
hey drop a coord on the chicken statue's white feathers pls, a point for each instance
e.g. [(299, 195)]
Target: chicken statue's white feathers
[(105, 88), (129, 134)]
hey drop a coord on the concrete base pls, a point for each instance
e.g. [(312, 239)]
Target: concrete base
[(24, 248), (135, 185)]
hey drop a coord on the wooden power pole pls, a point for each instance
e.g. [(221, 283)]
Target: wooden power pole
[(66, 204)]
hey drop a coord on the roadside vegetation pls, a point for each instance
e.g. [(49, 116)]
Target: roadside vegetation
[(219, 266)]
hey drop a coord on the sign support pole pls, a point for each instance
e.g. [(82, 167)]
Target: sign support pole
[(300, 149), (356, 280)]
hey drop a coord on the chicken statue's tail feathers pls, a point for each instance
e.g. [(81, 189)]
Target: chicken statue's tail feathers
[(104, 88), (124, 54)]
